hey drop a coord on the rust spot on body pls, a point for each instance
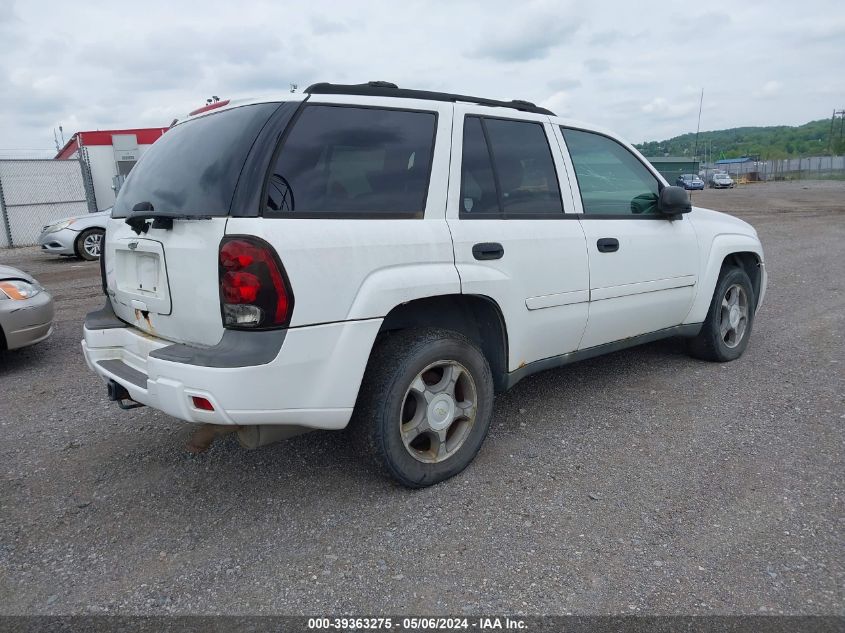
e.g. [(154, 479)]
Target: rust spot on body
[(144, 315)]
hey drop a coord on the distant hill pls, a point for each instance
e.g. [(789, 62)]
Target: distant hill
[(780, 141)]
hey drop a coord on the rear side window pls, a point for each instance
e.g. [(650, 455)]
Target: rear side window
[(340, 160), (478, 184), (507, 169), (193, 168)]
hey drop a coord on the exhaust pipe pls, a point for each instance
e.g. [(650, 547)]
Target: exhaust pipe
[(262, 434), (204, 435), (250, 437)]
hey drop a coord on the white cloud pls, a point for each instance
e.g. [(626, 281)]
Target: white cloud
[(597, 65), (769, 89), (558, 103), (661, 109), (89, 66), (526, 36)]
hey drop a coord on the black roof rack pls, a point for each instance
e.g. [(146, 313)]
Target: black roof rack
[(387, 89)]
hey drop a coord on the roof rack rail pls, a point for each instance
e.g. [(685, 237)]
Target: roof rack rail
[(388, 89)]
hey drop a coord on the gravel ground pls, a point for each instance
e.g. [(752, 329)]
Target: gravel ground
[(640, 482)]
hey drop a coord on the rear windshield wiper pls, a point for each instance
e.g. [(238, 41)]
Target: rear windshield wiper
[(143, 217)]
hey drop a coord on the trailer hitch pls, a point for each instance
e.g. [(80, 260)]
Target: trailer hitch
[(119, 394)]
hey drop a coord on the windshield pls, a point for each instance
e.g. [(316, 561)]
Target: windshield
[(194, 167)]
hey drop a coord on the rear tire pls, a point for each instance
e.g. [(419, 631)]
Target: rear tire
[(727, 328), (425, 405), (89, 243)]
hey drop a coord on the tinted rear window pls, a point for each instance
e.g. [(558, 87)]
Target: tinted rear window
[(524, 166), (356, 161), (525, 181), (193, 168), (478, 184)]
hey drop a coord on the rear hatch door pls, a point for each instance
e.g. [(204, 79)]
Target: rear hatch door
[(161, 249)]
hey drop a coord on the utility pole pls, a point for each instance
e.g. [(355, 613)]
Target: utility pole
[(698, 127), (841, 115)]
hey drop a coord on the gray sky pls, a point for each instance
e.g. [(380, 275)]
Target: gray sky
[(635, 67)]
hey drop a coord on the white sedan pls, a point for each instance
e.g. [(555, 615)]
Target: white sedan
[(81, 235), (721, 181)]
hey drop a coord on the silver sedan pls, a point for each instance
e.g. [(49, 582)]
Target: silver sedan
[(26, 310), (81, 235)]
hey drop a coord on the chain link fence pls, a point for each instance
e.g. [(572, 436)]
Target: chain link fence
[(809, 168), (806, 168), (34, 193)]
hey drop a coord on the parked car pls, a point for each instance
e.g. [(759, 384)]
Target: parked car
[(395, 260), (690, 181), (721, 181), (26, 310), (80, 235)]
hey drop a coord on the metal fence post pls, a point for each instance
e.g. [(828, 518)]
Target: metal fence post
[(6, 225), (87, 181)]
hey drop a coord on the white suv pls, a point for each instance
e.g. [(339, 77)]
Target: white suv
[(396, 257)]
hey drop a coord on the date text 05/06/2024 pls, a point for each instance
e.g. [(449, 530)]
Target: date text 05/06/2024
[(417, 623)]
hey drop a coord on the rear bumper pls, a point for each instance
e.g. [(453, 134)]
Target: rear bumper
[(312, 382), (27, 322)]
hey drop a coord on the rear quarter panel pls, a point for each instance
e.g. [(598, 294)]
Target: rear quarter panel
[(357, 269)]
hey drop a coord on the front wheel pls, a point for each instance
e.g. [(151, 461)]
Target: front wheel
[(727, 328), (425, 405), (90, 243)]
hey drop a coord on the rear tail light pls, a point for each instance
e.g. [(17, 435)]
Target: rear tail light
[(254, 290)]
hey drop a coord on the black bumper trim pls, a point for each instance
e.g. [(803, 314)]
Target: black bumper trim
[(237, 348), (125, 372), (103, 319)]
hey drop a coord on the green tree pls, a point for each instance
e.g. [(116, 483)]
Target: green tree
[(780, 141)]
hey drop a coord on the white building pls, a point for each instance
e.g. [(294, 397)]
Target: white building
[(110, 155)]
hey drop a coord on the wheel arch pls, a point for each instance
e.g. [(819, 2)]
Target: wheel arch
[(727, 250), (477, 317), (750, 263)]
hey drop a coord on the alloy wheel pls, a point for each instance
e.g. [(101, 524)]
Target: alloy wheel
[(733, 318), (438, 411), (92, 244)]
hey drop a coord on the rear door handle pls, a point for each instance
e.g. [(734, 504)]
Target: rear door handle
[(488, 250), (608, 245)]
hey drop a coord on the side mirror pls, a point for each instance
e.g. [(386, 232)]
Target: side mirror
[(673, 201)]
